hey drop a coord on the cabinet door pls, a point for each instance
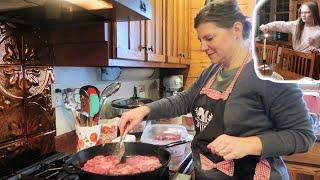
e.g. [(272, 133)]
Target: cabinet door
[(183, 36), (131, 40), (155, 32), (172, 9)]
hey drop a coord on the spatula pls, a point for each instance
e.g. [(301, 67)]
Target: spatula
[(120, 149)]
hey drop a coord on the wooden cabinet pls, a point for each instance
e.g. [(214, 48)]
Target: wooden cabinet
[(143, 40), (155, 31), (164, 38), (130, 42), (85, 44), (177, 31), (183, 37)]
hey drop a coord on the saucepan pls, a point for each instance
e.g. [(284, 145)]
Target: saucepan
[(77, 160)]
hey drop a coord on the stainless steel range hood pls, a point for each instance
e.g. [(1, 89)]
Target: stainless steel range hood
[(46, 12)]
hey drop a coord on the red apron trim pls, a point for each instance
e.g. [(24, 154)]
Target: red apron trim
[(226, 167), (262, 171), (216, 95)]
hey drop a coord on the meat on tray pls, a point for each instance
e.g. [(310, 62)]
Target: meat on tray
[(168, 137), (108, 165)]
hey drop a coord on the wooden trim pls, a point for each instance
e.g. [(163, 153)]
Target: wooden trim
[(173, 59), (311, 157), (133, 63), (66, 142)]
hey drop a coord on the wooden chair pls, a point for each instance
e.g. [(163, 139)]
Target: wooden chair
[(271, 53), (299, 63)]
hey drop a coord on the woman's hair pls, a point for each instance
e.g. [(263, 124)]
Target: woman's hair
[(313, 6), (224, 13)]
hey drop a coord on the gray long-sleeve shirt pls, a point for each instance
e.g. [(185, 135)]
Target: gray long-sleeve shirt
[(275, 112)]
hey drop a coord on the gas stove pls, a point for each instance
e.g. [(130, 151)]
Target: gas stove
[(52, 168)]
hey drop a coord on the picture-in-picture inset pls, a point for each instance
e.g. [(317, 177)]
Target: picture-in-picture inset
[(287, 39)]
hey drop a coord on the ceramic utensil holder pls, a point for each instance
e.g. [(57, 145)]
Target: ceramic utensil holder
[(87, 136)]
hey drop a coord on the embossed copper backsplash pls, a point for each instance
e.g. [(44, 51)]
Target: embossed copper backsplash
[(26, 115)]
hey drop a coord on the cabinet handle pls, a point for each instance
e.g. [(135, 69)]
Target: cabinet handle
[(143, 6), (144, 48), (183, 55), (150, 48)]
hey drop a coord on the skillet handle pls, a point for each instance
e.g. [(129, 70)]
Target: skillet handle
[(174, 144), (71, 169)]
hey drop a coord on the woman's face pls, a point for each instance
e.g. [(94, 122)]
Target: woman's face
[(218, 43), (306, 15)]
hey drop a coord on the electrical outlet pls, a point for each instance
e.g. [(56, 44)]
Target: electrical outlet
[(141, 91), (56, 96)]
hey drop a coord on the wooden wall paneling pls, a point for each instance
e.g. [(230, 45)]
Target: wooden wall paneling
[(195, 70), (155, 32), (194, 42), (197, 4), (188, 82), (199, 57)]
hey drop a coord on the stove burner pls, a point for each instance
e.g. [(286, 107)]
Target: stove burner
[(50, 168)]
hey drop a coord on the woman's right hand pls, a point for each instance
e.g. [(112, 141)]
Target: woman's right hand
[(131, 118), (264, 28)]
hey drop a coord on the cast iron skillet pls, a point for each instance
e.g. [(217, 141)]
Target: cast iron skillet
[(78, 159)]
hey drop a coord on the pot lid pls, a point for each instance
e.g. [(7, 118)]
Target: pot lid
[(130, 103)]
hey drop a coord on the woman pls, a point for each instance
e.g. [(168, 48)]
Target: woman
[(243, 124), (305, 30)]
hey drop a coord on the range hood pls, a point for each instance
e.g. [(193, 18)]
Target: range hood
[(47, 12)]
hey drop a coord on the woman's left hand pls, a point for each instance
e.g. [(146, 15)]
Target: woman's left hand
[(230, 147)]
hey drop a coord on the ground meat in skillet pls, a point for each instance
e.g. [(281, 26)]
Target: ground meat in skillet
[(108, 165)]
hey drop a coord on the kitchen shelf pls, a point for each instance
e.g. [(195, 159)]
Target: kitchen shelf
[(133, 63)]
